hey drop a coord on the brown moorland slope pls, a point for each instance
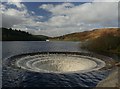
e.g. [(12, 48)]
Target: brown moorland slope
[(88, 35)]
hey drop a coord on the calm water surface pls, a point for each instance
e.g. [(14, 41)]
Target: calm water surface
[(18, 47), (21, 78)]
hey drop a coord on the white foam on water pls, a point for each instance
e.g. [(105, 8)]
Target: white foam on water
[(59, 63)]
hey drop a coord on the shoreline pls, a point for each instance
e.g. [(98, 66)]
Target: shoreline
[(111, 81)]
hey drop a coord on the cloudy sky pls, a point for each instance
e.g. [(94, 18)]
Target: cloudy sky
[(59, 18)]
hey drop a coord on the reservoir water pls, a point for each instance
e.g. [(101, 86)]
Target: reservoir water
[(48, 70)]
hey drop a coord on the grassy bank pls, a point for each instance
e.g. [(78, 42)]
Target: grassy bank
[(107, 43)]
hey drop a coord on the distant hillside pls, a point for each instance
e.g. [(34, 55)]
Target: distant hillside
[(87, 35), (98, 40), (17, 35), (42, 36), (104, 40)]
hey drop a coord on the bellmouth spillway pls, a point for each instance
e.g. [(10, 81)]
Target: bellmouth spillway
[(58, 63)]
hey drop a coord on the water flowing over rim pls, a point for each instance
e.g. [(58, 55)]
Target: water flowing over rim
[(100, 58)]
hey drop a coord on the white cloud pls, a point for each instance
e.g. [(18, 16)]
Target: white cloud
[(12, 16), (16, 16), (106, 0), (46, 6), (58, 9), (9, 21), (66, 18), (88, 16), (16, 3), (88, 12), (14, 0)]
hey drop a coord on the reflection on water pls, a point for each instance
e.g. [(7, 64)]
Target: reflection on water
[(18, 47)]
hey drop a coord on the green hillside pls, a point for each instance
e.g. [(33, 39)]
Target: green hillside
[(18, 35)]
